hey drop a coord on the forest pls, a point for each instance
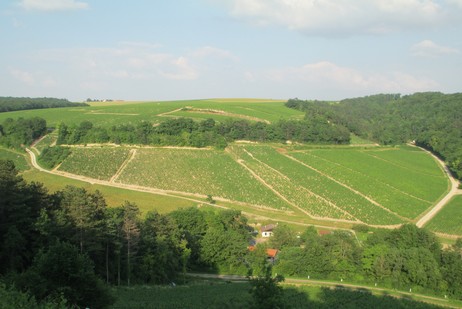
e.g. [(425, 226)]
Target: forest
[(187, 132), (432, 120), (20, 132), (9, 104), (69, 247)]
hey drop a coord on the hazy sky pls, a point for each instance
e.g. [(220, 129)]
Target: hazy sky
[(191, 49)]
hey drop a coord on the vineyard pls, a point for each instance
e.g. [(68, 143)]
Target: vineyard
[(204, 172), (98, 163), (362, 184), (343, 198), (447, 221), (376, 185), (380, 180)]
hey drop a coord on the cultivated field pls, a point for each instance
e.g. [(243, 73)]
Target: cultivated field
[(448, 220), (98, 163), (305, 183), (376, 185), (114, 113), (203, 172)]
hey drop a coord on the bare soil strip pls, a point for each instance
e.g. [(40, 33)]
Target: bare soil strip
[(224, 113), (347, 187), (118, 114), (453, 191), (123, 166), (170, 112)]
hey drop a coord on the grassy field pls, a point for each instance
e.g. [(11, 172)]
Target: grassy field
[(113, 113), (216, 294), (448, 220), (18, 158), (114, 196)]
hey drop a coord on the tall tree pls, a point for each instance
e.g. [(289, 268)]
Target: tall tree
[(131, 232)]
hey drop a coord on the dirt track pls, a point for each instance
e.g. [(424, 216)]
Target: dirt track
[(452, 192)]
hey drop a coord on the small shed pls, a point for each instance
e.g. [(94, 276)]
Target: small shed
[(267, 230)]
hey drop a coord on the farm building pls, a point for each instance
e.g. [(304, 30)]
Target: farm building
[(267, 230), (271, 254)]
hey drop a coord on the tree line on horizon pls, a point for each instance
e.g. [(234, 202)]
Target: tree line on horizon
[(432, 120), (9, 104)]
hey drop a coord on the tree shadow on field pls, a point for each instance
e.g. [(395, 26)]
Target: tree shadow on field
[(341, 297)]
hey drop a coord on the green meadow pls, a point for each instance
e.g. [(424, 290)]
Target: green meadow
[(18, 158)]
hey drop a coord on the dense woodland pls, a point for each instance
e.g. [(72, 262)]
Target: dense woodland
[(432, 119), (68, 247), (21, 132), (186, 132), (8, 104)]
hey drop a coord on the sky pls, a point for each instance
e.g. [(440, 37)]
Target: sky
[(198, 49)]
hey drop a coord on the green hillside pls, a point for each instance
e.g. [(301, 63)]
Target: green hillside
[(131, 112)]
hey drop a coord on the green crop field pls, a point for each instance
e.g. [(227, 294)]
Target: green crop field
[(448, 220), (115, 113), (377, 185), (18, 158), (394, 186), (198, 172), (399, 175), (98, 163), (327, 188)]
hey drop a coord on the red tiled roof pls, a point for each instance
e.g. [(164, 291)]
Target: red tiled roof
[(272, 252), (269, 252)]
